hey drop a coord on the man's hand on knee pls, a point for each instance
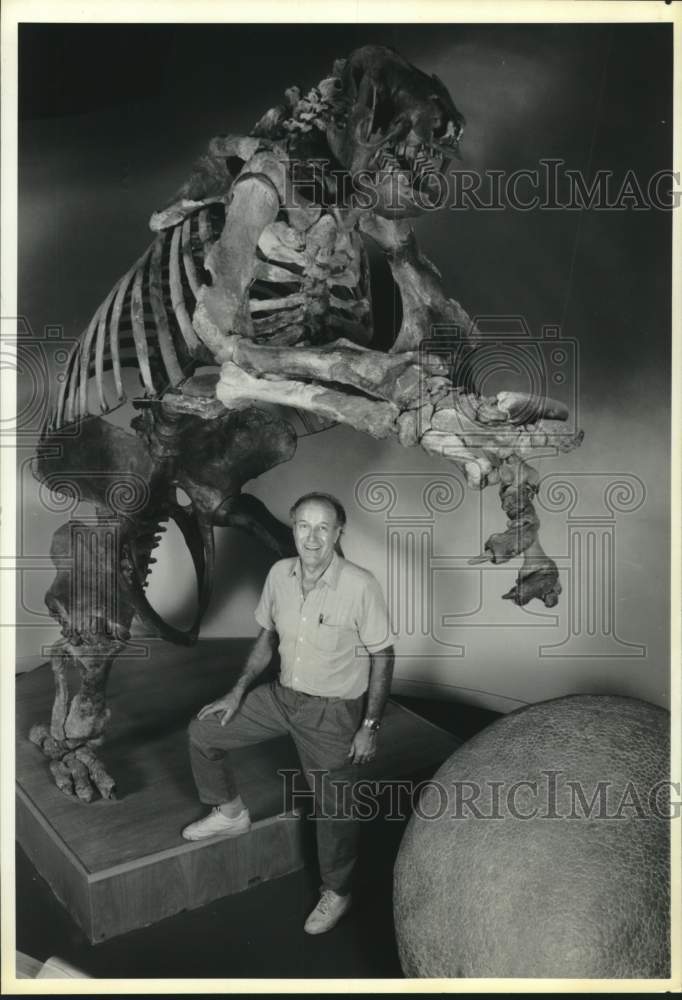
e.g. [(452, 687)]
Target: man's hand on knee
[(225, 706), (258, 659)]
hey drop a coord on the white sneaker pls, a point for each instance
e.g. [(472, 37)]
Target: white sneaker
[(217, 824), (327, 913)]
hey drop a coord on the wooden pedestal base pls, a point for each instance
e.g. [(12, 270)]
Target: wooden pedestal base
[(119, 865)]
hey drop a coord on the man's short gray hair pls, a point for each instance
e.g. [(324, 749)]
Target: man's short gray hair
[(322, 498)]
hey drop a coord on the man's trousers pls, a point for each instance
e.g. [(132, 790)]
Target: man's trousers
[(322, 730)]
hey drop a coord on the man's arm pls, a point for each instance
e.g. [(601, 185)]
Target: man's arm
[(363, 747), (257, 661), (380, 676)]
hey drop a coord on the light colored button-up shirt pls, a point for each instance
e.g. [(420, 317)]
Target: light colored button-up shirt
[(326, 637)]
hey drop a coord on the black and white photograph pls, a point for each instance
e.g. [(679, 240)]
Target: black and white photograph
[(340, 497)]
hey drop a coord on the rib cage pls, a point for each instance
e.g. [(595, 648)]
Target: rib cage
[(144, 322), (314, 292)]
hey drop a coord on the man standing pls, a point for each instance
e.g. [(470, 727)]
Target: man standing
[(336, 665)]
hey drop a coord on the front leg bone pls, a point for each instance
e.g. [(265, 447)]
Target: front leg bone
[(423, 299), (399, 379), (59, 658), (222, 307), (237, 388)]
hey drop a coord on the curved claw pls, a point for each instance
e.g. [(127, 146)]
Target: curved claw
[(80, 775), (528, 408), (542, 582)]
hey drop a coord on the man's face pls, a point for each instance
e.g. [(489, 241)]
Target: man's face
[(316, 532)]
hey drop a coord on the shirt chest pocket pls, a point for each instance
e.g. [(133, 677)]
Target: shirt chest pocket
[(332, 634)]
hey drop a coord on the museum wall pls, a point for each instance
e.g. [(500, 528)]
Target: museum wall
[(95, 164)]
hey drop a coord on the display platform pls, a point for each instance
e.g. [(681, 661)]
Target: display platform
[(121, 864)]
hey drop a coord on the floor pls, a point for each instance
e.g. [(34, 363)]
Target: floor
[(254, 933)]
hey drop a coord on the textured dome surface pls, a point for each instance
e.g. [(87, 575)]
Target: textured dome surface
[(547, 853)]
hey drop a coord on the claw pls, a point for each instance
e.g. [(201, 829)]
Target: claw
[(103, 781), (62, 777), (527, 408), (542, 582), (81, 777), (76, 770)]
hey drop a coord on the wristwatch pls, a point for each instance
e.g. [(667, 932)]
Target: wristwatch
[(372, 724)]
